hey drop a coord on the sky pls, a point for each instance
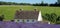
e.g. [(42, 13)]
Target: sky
[(31, 1)]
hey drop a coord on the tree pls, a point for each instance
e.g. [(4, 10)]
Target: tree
[(58, 20), (46, 16), (51, 17)]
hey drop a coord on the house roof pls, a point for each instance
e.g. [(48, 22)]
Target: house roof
[(26, 14)]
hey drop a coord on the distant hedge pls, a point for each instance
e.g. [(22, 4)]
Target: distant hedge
[(36, 4)]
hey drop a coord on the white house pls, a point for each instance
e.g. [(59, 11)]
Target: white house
[(28, 16)]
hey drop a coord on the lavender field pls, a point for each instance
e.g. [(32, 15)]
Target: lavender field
[(27, 25)]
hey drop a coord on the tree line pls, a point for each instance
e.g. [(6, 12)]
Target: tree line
[(36, 4), (13, 3)]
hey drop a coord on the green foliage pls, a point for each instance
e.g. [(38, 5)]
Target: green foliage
[(1, 18), (52, 18), (10, 10), (58, 18), (13, 3)]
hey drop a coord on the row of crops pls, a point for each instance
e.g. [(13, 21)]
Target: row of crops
[(27, 25)]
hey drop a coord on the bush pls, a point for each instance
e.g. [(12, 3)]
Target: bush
[(51, 17), (1, 18), (12, 20)]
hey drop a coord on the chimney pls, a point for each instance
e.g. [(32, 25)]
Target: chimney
[(35, 9), (17, 12), (21, 9)]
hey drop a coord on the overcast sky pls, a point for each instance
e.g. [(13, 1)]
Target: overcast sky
[(30, 1)]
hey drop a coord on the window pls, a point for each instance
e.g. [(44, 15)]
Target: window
[(18, 20), (27, 20), (32, 20)]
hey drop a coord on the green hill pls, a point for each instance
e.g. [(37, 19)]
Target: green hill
[(9, 10)]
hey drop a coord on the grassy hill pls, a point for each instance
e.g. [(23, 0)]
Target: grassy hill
[(9, 11)]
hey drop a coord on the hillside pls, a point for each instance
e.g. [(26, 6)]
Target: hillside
[(9, 10)]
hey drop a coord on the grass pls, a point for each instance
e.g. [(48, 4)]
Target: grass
[(9, 11)]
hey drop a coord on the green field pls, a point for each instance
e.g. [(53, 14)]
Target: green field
[(9, 11)]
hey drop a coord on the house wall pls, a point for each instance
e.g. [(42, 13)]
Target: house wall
[(26, 20)]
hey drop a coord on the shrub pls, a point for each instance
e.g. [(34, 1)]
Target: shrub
[(51, 17), (1, 18)]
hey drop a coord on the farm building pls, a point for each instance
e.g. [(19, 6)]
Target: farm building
[(28, 16)]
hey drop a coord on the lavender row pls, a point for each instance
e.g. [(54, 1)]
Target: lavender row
[(26, 25)]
